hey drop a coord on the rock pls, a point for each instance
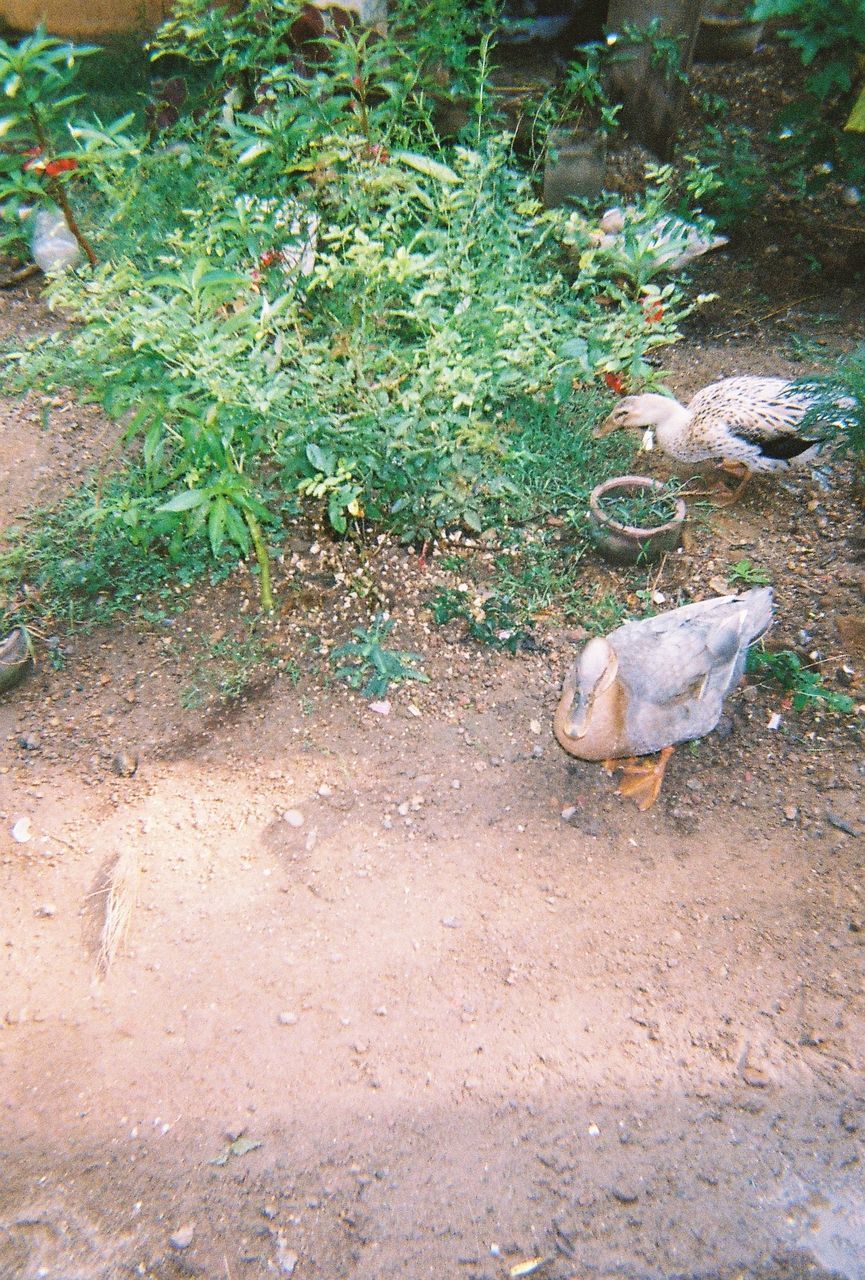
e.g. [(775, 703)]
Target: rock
[(380, 708), (124, 763), (22, 830), (182, 1237), (47, 910), (29, 742), (293, 817), (791, 812), (286, 1259), (15, 659), (287, 1019), (625, 1194)]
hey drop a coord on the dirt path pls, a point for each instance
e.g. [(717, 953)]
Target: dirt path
[(447, 1029)]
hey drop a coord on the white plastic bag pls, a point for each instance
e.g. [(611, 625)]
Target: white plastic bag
[(54, 247)]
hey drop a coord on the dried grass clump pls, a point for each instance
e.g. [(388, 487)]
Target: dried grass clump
[(121, 894)]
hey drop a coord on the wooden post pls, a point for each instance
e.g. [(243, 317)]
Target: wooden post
[(652, 97)]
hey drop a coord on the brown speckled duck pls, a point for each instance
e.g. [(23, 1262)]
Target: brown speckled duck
[(745, 424), (651, 684)]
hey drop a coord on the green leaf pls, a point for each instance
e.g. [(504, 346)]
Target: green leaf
[(321, 459), (252, 153), (216, 522), (423, 164), (186, 501), (236, 528), (336, 513)]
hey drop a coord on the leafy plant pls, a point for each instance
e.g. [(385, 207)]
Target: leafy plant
[(804, 682), (579, 102), (44, 153), (838, 398), (750, 575), (368, 666), (665, 49), (305, 301), (491, 621), (726, 175), (629, 314), (829, 36)]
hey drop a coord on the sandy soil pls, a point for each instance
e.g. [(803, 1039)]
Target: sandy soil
[(381, 1009)]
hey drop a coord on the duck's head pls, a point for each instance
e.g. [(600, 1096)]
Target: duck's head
[(637, 413), (590, 677)]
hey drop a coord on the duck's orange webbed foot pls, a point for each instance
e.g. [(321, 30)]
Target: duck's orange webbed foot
[(728, 497), (641, 779)]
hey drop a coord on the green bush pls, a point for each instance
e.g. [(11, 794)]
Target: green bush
[(829, 36), (303, 299)]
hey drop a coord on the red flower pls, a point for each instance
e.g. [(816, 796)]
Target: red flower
[(63, 165), (653, 310), (50, 167), (269, 256), (615, 382)]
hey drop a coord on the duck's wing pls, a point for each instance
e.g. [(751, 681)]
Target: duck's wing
[(679, 667), (764, 413)]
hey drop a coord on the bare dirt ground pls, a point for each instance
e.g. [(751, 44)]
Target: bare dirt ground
[(382, 1011)]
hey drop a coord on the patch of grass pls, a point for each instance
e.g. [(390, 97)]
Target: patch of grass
[(77, 563), (543, 576), (553, 462), (802, 348), (226, 668), (643, 509)]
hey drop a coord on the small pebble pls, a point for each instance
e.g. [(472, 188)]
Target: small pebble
[(287, 1019), (293, 817), (182, 1238), (29, 741), (47, 910), (380, 708), (22, 830)]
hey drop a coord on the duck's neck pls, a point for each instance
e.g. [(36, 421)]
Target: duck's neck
[(671, 422)]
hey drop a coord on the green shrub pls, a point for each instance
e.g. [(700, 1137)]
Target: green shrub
[(829, 36)]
